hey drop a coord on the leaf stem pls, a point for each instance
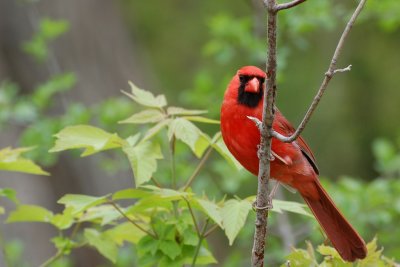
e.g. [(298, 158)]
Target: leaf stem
[(172, 161), (52, 259), (154, 235), (201, 238), (198, 168), (193, 217)]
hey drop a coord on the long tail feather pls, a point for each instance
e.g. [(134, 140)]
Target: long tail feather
[(343, 236)]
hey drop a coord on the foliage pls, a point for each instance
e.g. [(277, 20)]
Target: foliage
[(167, 225), (301, 257)]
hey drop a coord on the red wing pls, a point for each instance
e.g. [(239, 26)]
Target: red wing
[(305, 149)]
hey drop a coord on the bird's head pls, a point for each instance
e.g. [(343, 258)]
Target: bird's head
[(248, 83)]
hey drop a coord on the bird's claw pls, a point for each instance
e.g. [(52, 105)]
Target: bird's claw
[(266, 207)]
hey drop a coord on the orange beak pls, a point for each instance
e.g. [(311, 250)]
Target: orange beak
[(253, 86)]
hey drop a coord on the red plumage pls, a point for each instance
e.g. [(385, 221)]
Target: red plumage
[(294, 163)]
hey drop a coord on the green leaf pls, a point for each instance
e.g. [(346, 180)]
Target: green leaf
[(219, 145), (63, 244), (234, 215), (58, 83), (146, 98), (51, 29), (170, 248), (10, 194), (103, 243), (300, 258), (64, 220), (125, 232), (210, 208), (182, 111), (11, 160), (104, 214), (143, 160), (85, 136), (291, 206), (201, 119), (155, 129), (81, 203), (167, 193), (145, 116), (190, 238), (131, 193), (188, 133), (30, 213)]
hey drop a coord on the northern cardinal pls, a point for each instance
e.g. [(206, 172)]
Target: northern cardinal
[(293, 163)]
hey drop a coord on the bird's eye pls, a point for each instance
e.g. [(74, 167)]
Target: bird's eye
[(242, 78), (262, 80)]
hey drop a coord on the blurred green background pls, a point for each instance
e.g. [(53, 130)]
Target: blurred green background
[(64, 62)]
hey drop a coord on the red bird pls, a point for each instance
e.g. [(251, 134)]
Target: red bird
[(293, 164)]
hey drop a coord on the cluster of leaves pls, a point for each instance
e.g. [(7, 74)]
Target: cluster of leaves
[(168, 226), (308, 257)]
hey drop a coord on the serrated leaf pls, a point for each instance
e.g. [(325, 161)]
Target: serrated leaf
[(146, 98), (104, 214), (170, 248), (81, 203), (145, 116), (183, 111), (210, 208), (291, 206), (190, 238), (30, 213), (102, 243), (12, 160), (167, 193), (234, 214), (125, 232), (188, 133), (143, 160), (219, 145), (201, 119), (131, 193), (90, 138)]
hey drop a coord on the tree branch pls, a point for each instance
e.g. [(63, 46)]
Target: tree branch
[(263, 202), (264, 149), (289, 5), (328, 76)]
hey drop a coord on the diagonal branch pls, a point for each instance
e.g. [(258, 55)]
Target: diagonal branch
[(328, 76), (289, 4)]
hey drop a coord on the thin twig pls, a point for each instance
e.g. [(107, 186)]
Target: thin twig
[(193, 217), (328, 76), (289, 4), (211, 230), (198, 168), (157, 183), (112, 203), (201, 238), (172, 161)]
